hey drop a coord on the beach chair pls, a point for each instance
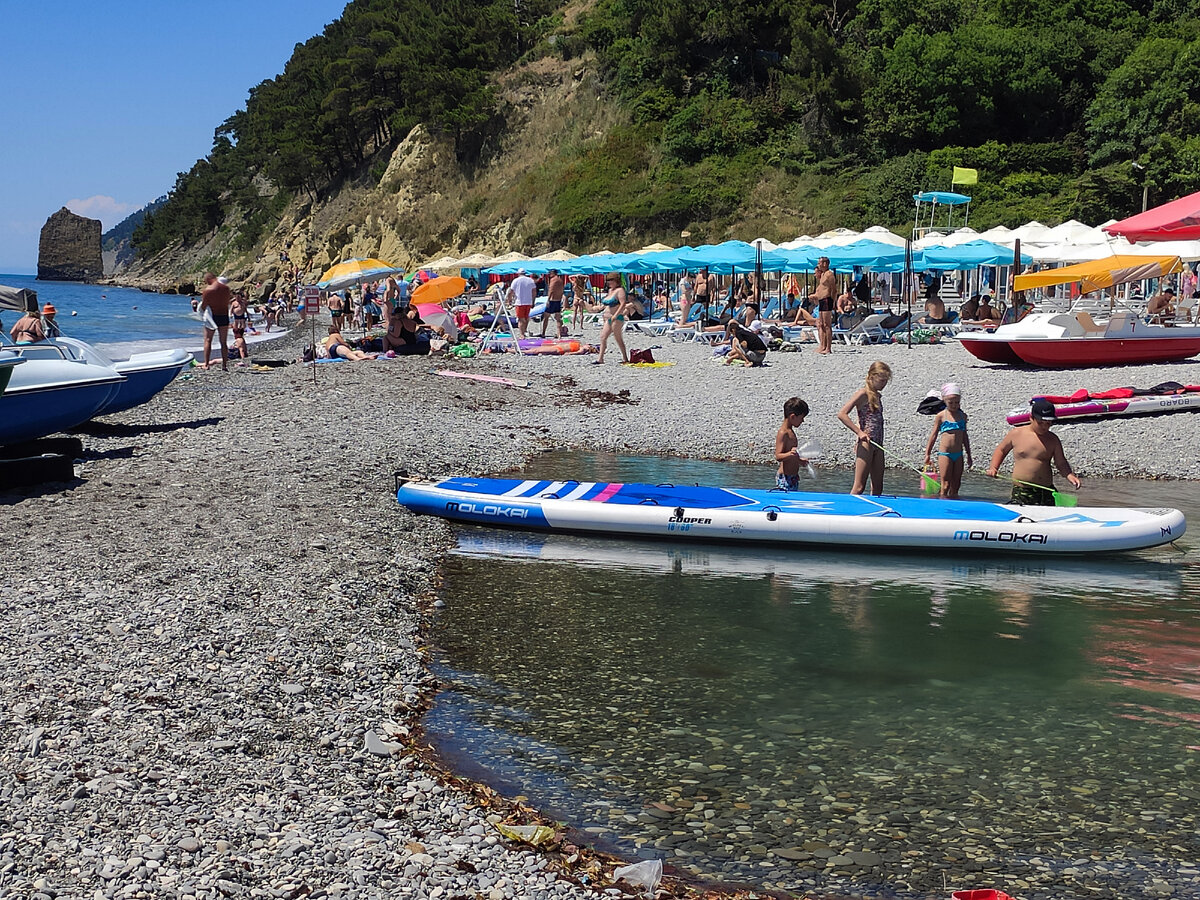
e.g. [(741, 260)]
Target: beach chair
[(866, 331), (684, 333), (1184, 310)]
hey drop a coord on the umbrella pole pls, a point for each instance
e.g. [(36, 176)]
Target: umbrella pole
[(313, 318), (908, 286)]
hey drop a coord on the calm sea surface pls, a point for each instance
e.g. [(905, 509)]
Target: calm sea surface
[(853, 723), (117, 320)]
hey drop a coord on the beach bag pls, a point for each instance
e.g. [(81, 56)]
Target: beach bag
[(641, 356)]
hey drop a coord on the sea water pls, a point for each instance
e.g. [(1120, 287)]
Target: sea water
[(117, 320), (837, 721)]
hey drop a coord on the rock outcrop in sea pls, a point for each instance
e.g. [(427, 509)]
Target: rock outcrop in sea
[(69, 249)]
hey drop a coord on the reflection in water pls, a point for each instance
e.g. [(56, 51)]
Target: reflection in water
[(856, 722)]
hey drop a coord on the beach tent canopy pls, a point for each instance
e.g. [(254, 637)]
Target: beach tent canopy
[(870, 254), (968, 256), (737, 256), (945, 198), (1102, 273), (556, 256), (1178, 220), (22, 299)]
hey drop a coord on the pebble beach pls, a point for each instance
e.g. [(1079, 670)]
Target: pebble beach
[(214, 663)]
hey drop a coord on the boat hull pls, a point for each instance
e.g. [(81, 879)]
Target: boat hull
[(145, 375), (1066, 353), (702, 513), (46, 396), (989, 349)]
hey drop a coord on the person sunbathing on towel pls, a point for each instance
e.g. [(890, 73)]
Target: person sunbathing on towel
[(339, 349)]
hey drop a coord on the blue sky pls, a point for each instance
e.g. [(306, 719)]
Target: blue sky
[(103, 104)]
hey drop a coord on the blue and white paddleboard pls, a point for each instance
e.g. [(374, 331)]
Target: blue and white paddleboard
[(735, 514)]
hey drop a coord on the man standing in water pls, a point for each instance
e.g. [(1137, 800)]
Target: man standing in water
[(1034, 447), (215, 298), (824, 295)]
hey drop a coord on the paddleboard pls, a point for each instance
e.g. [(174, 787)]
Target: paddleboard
[(1128, 406), (704, 513)]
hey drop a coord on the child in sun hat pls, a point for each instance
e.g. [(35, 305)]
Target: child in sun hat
[(950, 433)]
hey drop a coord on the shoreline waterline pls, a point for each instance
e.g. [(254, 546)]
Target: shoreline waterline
[(241, 595)]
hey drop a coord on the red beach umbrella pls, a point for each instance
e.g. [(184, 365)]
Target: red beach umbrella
[(1178, 220)]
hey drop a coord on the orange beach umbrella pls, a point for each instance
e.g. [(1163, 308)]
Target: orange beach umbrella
[(439, 290)]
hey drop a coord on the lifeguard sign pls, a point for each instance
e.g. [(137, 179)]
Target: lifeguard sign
[(927, 214)]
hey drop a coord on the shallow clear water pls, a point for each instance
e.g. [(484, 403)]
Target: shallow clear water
[(846, 722), (117, 320)]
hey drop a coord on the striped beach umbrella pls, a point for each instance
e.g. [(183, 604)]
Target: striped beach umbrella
[(352, 271)]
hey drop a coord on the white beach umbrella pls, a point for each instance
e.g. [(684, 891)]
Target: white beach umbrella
[(883, 236), (475, 261), (1033, 233), (805, 240), (837, 237), (442, 263)]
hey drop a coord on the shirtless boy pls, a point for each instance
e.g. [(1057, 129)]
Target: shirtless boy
[(1034, 447), (787, 478), (216, 297), (824, 295)]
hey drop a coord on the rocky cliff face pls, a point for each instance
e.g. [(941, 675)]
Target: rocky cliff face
[(69, 249)]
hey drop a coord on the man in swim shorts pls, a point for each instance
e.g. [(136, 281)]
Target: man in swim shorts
[(216, 298), (1034, 448), (824, 295), (521, 293), (555, 288)]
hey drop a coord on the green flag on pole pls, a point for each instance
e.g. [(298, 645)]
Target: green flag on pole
[(964, 176)]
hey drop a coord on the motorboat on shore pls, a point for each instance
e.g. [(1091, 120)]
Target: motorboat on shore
[(699, 513), (145, 373), (1069, 340), (1073, 339), (138, 378)]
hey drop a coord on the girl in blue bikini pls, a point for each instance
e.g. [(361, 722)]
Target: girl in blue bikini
[(950, 429)]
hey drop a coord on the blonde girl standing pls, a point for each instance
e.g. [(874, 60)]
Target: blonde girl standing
[(868, 452)]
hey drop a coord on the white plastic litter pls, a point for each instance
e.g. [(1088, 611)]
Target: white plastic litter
[(810, 449), (645, 875)]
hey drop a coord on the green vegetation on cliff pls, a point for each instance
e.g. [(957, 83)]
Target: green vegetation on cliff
[(825, 111)]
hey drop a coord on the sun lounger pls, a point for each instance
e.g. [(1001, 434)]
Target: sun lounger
[(868, 331)]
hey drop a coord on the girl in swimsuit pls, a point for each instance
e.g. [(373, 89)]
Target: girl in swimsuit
[(613, 317), (950, 427), (868, 452)]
